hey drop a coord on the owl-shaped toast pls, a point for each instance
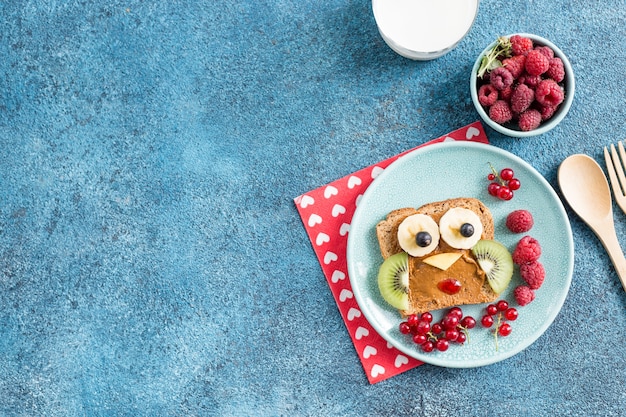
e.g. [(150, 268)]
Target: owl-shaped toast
[(433, 256)]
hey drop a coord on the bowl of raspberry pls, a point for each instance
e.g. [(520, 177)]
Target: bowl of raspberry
[(522, 85)]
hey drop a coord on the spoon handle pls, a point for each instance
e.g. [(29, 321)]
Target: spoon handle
[(608, 238)]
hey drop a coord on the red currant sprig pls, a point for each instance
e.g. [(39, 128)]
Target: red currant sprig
[(498, 314), (502, 183), (452, 328)]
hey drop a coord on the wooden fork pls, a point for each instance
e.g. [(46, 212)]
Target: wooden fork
[(616, 173)]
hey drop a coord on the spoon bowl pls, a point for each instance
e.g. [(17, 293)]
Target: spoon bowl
[(585, 188), (587, 191)]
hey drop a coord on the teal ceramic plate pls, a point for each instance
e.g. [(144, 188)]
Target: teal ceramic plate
[(459, 169)]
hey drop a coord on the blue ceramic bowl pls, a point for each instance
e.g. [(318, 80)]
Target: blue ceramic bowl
[(511, 129)]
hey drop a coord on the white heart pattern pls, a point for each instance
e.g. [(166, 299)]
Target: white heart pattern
[(353, 313), (321, 239), (326, 213), (337, 276), (338, 209), (353, 181), (314, 219), (377, 370), (330, 257), (345, 294), (361, 332), (471, 132), (376, 171), (330, 191), (401, 360), (306, 201), (369, 351)]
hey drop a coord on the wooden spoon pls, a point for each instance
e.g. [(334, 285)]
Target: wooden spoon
[(586, 189)]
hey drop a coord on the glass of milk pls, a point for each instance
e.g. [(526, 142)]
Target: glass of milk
[(424, 29)]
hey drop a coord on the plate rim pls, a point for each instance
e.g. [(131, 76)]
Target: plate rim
[(562, 213)]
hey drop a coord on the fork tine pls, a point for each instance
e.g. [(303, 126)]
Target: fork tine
[(619, 170), (622, 159), (611, 171), (615, 170)]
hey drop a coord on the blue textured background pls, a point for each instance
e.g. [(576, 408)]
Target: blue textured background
[(152, 261)]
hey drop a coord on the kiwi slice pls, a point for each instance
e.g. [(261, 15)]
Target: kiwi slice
[(393, 280), (494, 258)]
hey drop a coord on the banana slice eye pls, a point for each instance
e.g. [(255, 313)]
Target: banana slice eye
[(460, 228), (418, 235)]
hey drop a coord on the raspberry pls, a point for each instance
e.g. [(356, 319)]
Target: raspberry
[(527, 250), (521, 45), (500, 112), (547, 112), (523, 295), (529, 120), (530, 80), (515, 65), (522, 98), (519, 221), (546, 50), (556, 70), (549, 93), (533, 273), (501, 78), (487, 95), (536, 63), (506, 94)]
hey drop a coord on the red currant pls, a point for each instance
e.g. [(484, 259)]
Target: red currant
[(461, 338), (506, 174), (428, 346), (514, 184), (413, 319), (505, 329), (491, 176), (468, 322), (492, 309), (493, 189), (405, 328), (456, 311), (442, 345), (437, 328), (427, 317), (450, 322), (422, 327), (420, 339), (511, 314), (505, 193), (502, 305), (487, 321), (452, 334)]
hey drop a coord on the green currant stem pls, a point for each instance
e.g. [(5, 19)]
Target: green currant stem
[(466, 331), (495, 173), (495, 333)]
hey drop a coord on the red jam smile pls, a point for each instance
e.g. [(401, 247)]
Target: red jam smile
[(450, 286)]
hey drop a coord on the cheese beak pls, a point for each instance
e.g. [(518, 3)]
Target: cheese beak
[(443, 261)]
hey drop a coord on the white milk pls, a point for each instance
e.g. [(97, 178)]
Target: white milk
[(424, 29)]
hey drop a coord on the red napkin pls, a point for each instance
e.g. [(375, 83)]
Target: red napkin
[(326, 213)]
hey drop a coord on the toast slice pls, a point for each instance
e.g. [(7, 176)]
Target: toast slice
[(424, 279)]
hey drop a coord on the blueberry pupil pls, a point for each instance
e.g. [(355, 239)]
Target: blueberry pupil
[(467, 230), (423, 239)]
